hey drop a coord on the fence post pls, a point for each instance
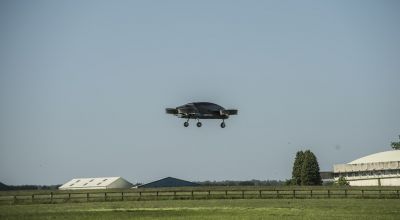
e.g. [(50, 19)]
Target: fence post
[(105, 196), (51, 196), (380, 193), (69, 196), (157, 194), (311, 194), (87, 197), (140, 195), (329, 193), (345, 193), (15, 197), (294, 194), (398, 195), (277, 193), (209, 194), (226, 193), (192, 195), (33, 197), (122, 196), (259, 194), (174, 194), (242, 194), (362, 193)]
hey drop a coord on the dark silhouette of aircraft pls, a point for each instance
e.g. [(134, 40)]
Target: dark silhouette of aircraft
[(201, 110)]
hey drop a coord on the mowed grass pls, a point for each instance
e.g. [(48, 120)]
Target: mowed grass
[(211, 209)]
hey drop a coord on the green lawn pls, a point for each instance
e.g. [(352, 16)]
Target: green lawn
[(211, 209)]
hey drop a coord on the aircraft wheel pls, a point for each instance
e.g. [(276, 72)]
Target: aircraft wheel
[(223, 125), (186, 124), (199, 124)]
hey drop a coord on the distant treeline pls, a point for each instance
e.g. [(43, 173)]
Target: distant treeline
[(244, 183), (4, 187)]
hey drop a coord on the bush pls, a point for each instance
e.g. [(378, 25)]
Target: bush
[(342, 181)]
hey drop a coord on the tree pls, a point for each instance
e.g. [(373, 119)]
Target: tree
[(342, 181), (396, 145), (310, 170), (297, 166), (3, 187), (305, 169)]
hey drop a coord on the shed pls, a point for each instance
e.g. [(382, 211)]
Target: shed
[(169, 182), (96, 183)]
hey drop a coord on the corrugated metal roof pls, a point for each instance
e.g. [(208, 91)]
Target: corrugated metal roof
[(169, 182), (386, 156), (89, 182)]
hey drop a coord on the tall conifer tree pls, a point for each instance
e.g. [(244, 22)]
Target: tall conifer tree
[(310, 170), (297, 166)]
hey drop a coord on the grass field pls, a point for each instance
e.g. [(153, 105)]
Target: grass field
[(211, 209)]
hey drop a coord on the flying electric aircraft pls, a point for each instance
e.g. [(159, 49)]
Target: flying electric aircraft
[(201, 110)]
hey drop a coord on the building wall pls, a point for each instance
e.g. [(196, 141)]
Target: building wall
[(342, 168), (120, 184), (370, 182), (390, 182), (376, 182), (82, 188), (369, 174)]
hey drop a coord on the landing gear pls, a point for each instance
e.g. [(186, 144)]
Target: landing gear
[(186, 124), (199, 124), (223, 124)]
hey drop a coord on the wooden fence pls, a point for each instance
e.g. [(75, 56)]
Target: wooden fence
[(87, 196)]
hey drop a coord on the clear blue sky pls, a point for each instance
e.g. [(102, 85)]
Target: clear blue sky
[(84, 84)]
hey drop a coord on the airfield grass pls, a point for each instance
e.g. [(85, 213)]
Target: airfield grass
[(211, 209)]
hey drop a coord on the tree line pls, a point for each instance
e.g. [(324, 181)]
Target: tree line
[(243, 183), (4, 187)]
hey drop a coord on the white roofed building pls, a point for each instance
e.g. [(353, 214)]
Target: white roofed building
[(96, 183), (380, 169)]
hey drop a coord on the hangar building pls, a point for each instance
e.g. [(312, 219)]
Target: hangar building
[(380, 169), (96, 183), (168, 182)]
